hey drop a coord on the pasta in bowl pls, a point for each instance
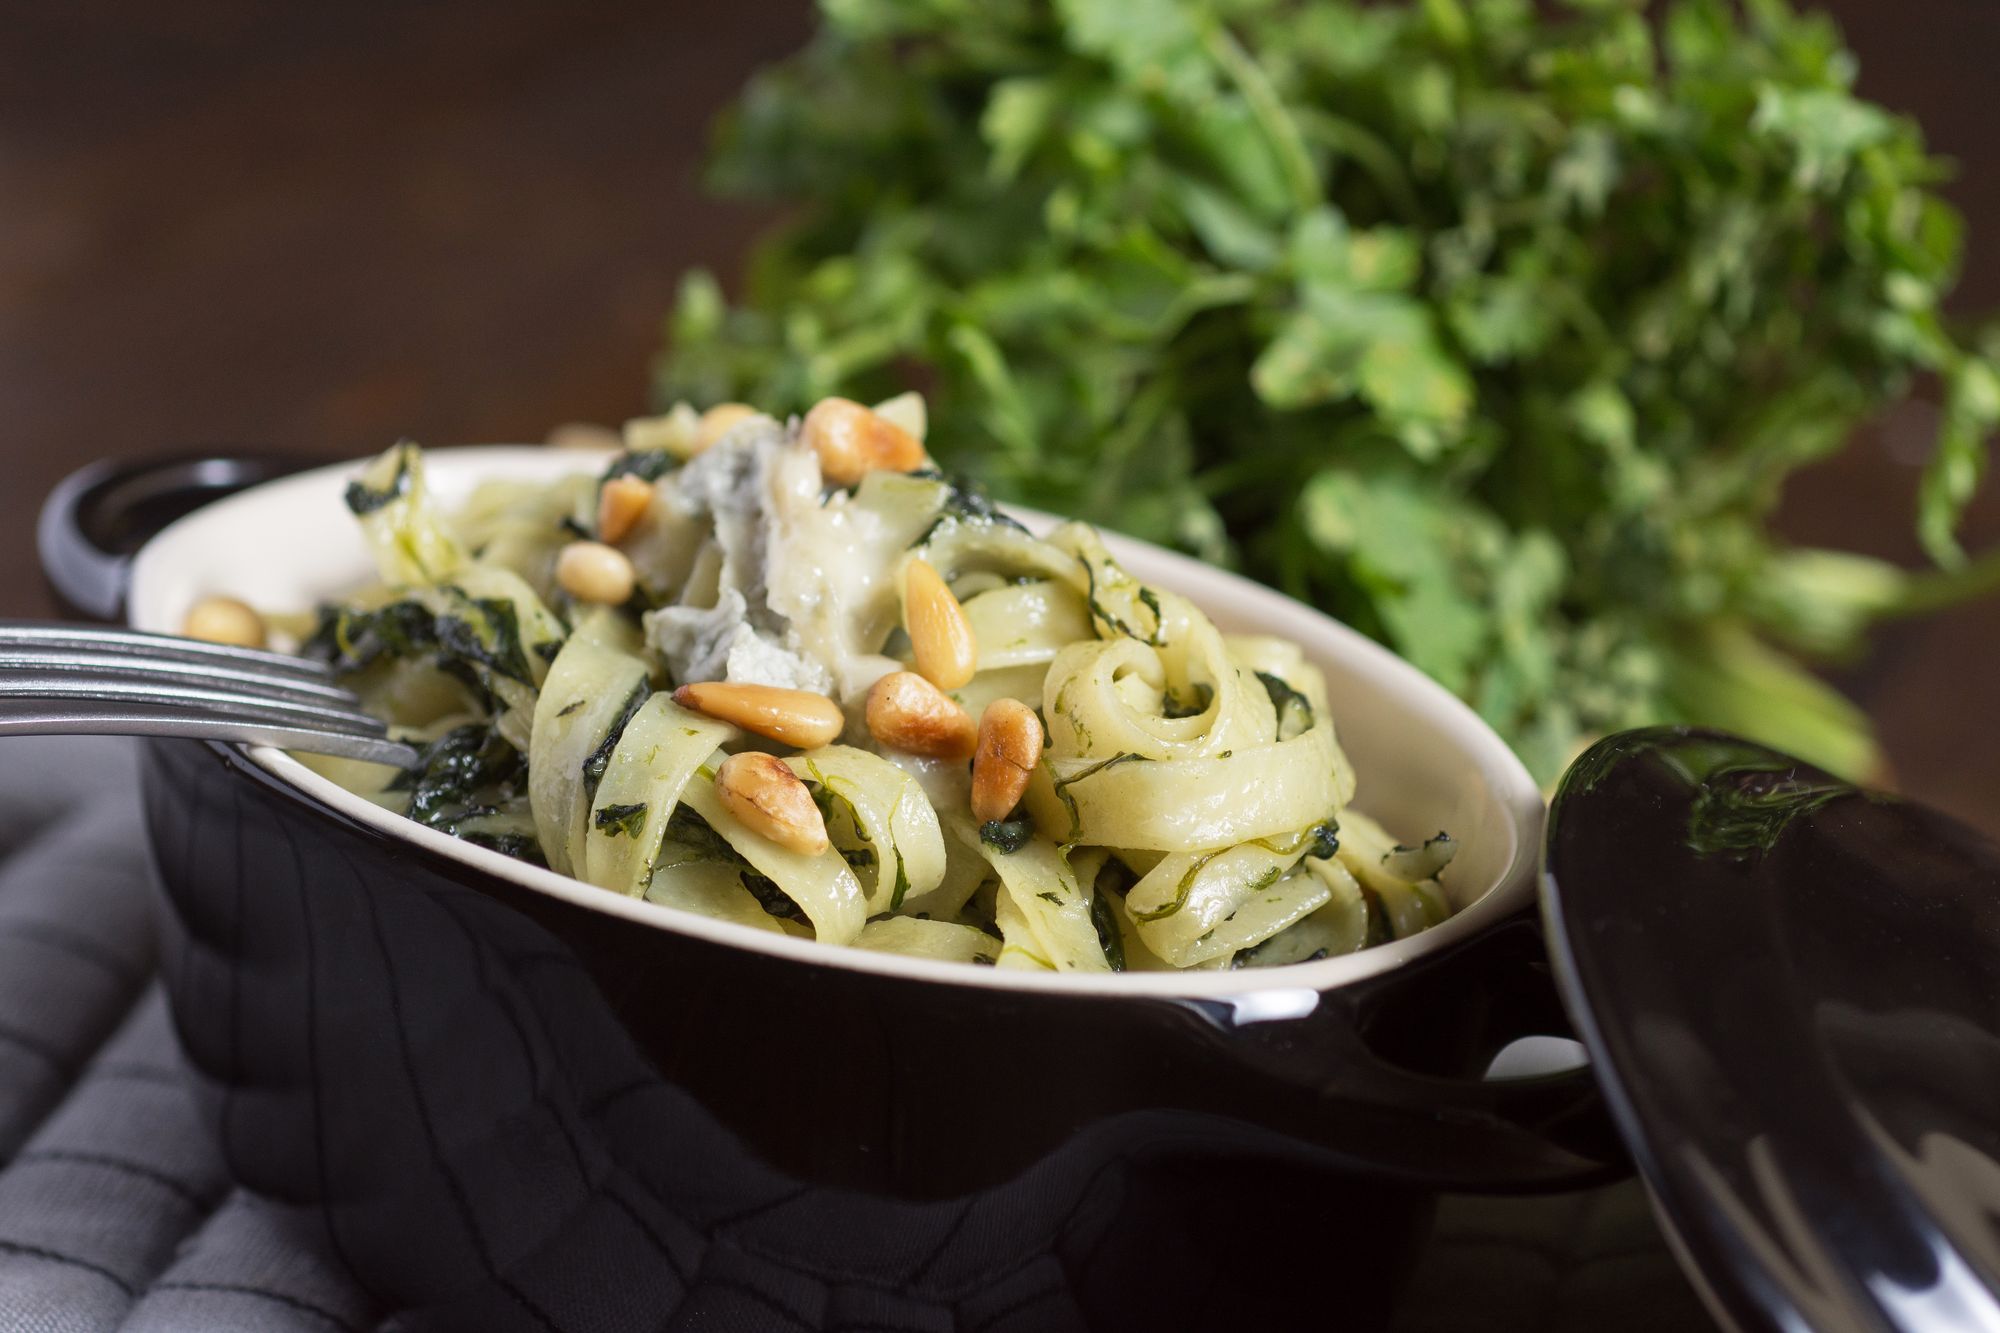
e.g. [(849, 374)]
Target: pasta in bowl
[(324, 949), (758, 679)]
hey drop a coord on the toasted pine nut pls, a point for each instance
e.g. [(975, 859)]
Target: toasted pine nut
[(594, 572), (582, 435), (852, 441), (768, 797), (621, 503), (907, 712), (796, 717), (224, 620), (1010, 745), (940, 635), (718, 421)]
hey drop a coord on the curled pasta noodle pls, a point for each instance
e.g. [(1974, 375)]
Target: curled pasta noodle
[(1019, 625), (823, 886), (917, 938), (594, 686), (1190, 806), (887, 819), (412, 544), (715, 889), (965, 871), (1193, 906), (520, 526), (517, 634), (1044, 913), (657, 755), (1411, 905)]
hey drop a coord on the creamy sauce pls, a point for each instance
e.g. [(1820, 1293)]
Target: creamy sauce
[(798, 588)]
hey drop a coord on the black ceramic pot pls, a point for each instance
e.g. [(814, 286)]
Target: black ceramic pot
[(511, 1109)]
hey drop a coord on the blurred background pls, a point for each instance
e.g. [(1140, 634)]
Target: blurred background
[(317, 228)]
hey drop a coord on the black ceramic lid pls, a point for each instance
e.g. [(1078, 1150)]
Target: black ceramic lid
[(1790, 990)]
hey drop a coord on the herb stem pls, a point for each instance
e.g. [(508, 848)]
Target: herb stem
[(1934, 590), (1369, 151), (1269, 109)]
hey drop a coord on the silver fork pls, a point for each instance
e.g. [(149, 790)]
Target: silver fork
[(70, 680)]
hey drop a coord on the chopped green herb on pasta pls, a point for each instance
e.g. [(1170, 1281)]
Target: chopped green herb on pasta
[(1031, 760)]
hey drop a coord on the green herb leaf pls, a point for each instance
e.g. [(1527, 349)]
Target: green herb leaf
[(1295, 714), (599, 759), (621, 820), (1104, 919), (1492, 330), (363, 499), (1007, 836), (645, 464)]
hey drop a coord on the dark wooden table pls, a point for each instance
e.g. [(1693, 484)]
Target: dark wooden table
[(316, 228)]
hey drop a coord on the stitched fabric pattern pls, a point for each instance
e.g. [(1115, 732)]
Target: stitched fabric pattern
[(118, 1208)]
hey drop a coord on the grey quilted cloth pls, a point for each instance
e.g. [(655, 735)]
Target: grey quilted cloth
[(117, 1213)]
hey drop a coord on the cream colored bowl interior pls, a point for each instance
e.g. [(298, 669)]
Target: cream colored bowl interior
[(1425, 761)]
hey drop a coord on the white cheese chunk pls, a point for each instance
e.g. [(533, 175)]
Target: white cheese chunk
[(798, 587)]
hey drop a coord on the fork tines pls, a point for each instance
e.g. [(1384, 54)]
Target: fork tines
[(63, 678), (33, 635)]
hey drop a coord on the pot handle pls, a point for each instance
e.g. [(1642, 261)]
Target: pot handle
[(1385, 1090), (1550, 1131), (97, 518)]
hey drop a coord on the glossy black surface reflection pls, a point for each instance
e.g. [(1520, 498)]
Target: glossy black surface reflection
[(508, 1111), (97, 517), (1792, 990)]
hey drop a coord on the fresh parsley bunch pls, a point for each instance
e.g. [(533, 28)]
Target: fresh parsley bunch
[(1494, 332)]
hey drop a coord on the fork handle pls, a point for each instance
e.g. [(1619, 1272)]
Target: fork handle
[(98, 517)]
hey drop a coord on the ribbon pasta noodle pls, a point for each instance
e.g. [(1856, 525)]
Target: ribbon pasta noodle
[(1186, 803)]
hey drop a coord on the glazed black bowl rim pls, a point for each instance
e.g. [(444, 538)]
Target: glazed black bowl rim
[(167, 575)]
